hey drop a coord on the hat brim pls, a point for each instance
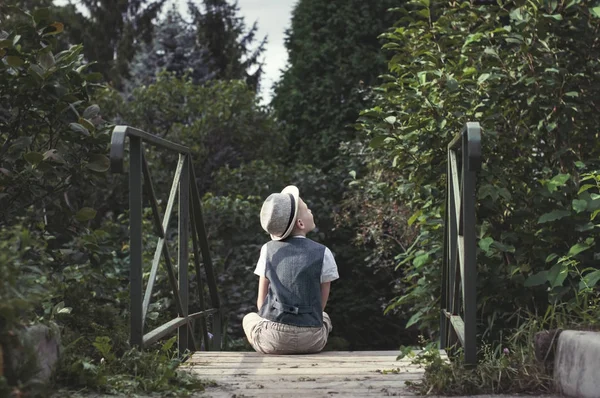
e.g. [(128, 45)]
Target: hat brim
[(293, 190)]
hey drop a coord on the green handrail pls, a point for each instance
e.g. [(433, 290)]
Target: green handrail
[(459, 270), (184, 186)]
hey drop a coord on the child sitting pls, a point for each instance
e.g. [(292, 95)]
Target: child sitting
[(295, 277)]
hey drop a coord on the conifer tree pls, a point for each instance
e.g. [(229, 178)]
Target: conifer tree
[(228, 41), (113, 32), (334, 56), (174, 48)]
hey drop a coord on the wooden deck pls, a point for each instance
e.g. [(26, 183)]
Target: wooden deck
[(327, 374)]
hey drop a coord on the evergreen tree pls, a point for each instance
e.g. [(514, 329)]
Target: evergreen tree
[(334, 55), (228, 42), (174, 48), (113, 33)]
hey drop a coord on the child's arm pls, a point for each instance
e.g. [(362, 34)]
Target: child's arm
[(325, 287), (263, 286)]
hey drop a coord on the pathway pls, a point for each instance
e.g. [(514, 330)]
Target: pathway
[(327, 374)]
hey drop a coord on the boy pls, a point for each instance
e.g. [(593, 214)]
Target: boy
[(295, 277)]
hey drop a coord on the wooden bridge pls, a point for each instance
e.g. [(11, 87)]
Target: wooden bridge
[(245, 374), (327, 374)]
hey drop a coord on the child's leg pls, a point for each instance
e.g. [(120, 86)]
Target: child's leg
[(250, 323), (313, 340)]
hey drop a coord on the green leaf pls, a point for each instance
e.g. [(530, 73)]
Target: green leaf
[(578, 248), (85, 214), (503, 247), (414, 217), (579, 205), (99, 163), (488, 190), (557, 17), (595, 12), (557, 275), (536, 279), (590, 280), (485, 244), (421, 260), (551, 257), (588, 226), (94, 77), (91, 112), (46, 60), (585, 188), (34, 158), (41, 14), (54, 156), (553, 216), (558, 180), (483, 77), (414, 319), (13, 60), (79, 128), (352, 174), (87, 124), (390, 120), (377, 141)]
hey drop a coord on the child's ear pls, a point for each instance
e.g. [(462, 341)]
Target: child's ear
[(300, 224)]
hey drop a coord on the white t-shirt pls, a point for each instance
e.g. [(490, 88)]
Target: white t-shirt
[(329, 272)]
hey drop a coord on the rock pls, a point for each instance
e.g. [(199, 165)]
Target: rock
[(545, 345), (577, 363), (34, 354)]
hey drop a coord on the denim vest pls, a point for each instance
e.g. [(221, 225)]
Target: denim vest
[(294, 273)]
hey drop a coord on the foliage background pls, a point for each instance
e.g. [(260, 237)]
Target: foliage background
[(359, 122)]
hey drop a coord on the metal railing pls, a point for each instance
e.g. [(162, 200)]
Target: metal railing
[(459, 273), (184, 186)]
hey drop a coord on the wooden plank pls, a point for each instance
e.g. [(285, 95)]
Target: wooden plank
[(321, 354), (230, 360), (326, 374), (287, 371), (296, 365), (309, 391), (323, 379)]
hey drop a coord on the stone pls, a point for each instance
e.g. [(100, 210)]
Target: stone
[(38, 348), (577, 364), (545, 343)]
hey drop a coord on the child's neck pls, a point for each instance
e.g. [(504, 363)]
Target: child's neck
[(298, 233)]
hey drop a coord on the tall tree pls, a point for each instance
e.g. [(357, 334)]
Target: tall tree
[(334, 54), (229, 43), (174, 48), (113, 33)]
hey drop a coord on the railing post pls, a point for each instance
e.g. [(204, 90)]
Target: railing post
[(135, 241), (460, 245), (184, 222), (471, 150)]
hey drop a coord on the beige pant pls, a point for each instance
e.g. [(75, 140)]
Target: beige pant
[(270, 337)]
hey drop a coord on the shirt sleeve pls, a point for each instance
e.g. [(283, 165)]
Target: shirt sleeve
[(329, 272), (261, 265)]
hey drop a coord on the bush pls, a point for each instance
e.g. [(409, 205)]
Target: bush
[(526, 72)]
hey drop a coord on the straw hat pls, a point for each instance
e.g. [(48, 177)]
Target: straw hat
[(279, 211)]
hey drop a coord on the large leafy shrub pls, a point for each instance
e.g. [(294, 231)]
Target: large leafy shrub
[(53, 139), (527, 72)]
